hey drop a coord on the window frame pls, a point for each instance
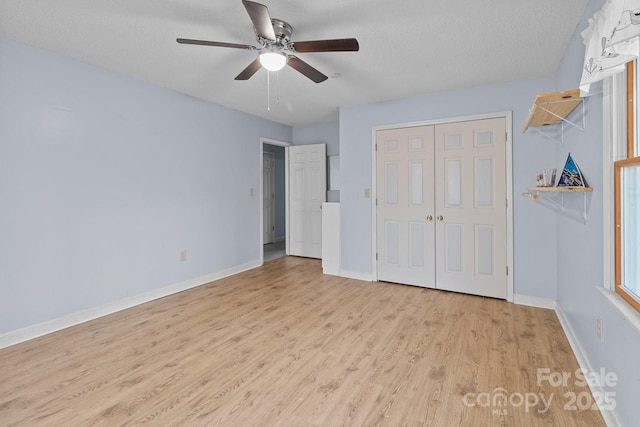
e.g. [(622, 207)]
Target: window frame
[(629, 159)]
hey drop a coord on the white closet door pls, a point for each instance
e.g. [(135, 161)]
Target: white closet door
[(307, 192), (405, 210), (471, 211), (441, 206)]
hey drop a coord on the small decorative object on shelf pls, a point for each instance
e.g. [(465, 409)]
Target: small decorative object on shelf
[(546, 178), (571, 175), (571, 181)]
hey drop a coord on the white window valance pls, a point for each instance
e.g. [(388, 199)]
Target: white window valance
[(611, 40)]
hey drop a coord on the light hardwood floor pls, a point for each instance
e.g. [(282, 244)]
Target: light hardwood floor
[(283, 345)]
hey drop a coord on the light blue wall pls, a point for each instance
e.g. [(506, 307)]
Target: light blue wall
[(104, 179), (534, 225), (322, 133), (581, 255)]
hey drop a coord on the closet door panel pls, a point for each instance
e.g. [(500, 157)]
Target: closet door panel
[(471, 212), (405, 206)]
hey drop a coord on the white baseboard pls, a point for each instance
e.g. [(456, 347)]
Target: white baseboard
[(331, 272), (534, 301), (20, 335), (609, 416), (356, 275)]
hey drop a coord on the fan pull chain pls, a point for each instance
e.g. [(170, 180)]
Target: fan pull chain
[(268, 91)]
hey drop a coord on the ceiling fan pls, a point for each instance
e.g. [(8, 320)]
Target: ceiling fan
[(277, 49)]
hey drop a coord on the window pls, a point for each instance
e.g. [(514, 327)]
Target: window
[(627, 201)]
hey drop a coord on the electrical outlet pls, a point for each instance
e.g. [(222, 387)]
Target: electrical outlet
[(252, 192), (183, 255), (599, 329), (367, 193)]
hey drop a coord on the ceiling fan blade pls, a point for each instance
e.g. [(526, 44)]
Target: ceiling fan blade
[(335, 45), (249, 71), (306, 69), (261, 19), (218, 44)]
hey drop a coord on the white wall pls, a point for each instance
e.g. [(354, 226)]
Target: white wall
[(104, 179)]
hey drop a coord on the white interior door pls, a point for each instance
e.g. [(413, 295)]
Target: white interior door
[(405, 205), (268, 197), (471, 210), (307, 192), (441, 206)]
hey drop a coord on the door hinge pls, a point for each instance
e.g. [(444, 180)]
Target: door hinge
[(507, 270), (376, 256)]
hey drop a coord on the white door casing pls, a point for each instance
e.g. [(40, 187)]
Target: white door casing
[(307, 192), (459, 228)]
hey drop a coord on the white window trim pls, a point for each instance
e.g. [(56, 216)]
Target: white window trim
[(614, 106)]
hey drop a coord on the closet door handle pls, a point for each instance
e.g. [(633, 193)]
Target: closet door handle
[(440, 217), (429, 218)]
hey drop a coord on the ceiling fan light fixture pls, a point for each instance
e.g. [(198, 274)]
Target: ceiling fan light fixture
[(273, 61), (276, 49)]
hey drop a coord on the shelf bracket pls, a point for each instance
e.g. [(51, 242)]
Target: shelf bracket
[(536, 195), (549, 136), (562, 121)]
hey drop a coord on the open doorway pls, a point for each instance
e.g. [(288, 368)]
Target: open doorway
[(274, 203)]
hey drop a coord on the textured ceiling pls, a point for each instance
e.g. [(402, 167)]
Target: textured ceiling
[(407, 47)]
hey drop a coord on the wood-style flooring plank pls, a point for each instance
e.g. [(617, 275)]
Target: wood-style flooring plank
[(284, 345)]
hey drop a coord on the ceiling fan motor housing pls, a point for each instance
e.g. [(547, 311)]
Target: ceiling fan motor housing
[(282, 29)]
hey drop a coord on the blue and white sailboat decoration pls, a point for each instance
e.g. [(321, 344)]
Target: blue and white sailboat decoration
[(571, 175)]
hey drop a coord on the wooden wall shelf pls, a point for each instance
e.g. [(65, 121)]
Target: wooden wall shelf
[(534, 189), (553, 108)]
